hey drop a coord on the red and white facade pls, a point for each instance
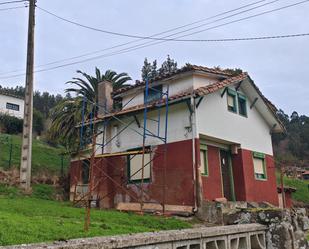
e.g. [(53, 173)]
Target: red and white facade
[(218, 143)]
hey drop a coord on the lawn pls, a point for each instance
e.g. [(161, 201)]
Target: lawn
[(44, 157), (302, 191), (30, 220)]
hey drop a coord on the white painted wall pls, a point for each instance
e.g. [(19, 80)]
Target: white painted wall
[(178, 119), (179, 85), (214, 119), (4, 99)]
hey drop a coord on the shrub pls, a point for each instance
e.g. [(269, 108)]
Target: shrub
[(10, 124)]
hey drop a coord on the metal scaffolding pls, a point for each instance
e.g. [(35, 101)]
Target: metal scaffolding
[(98, 161)]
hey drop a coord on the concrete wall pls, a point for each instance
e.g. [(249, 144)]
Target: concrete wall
[(214, 119), (4, 99), (250, 236)]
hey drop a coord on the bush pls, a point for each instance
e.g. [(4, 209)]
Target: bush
[(10, 124), (43, 191)]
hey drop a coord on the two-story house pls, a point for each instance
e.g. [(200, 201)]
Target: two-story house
[(11, 105), (218, 142)]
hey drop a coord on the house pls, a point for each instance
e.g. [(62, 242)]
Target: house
[(11, 105), (218, 142), (305, 175)]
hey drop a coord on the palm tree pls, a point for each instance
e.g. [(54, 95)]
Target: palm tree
[(69, 113)]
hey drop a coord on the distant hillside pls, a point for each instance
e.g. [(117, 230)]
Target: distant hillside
[(292, 148), (45, 158)]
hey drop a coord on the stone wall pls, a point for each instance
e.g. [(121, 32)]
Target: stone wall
[(286, 229), (249, 236)]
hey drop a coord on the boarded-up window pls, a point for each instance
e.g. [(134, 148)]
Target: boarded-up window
[(135, 163), (204, 160), (259, 165)]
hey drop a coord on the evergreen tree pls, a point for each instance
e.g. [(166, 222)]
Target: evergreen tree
[(146, 69), (168, 66), (154, 71)]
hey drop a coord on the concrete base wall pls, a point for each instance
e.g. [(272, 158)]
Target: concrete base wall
[(251, 236)]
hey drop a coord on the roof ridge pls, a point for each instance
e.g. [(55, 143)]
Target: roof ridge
[(186, 68)]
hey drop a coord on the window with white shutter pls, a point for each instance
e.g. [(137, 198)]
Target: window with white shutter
[(259, 165)]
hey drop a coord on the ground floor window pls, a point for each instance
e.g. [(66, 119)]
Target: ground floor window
[(259, 165), (204, 159), (135, 164), (85, 171)]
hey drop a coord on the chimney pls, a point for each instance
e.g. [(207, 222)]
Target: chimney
[(105, 100)]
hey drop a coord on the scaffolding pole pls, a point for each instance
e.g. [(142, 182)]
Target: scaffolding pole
[(92, 121)]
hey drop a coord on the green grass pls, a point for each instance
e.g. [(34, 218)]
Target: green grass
[(44, 157), (302, 191), (30, 220)]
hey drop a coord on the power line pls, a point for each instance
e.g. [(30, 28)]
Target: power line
[(161, 33), (13, 8), (10, 2), (201, 40), (149, 37), (129, 49)]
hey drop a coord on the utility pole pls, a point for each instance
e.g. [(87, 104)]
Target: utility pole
[(26, 150)]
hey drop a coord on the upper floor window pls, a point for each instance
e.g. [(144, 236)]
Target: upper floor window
[(231, 100), (242, 104), (236, 102), (11, 106), (154, 93), (259, 165)]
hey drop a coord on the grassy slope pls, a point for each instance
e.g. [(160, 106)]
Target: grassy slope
[(302, 192), (30, 220), (44, 157)]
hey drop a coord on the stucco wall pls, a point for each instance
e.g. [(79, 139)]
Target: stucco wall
[(131, 137), (8, 99), (214, 119), (247, 187), (179, 175)]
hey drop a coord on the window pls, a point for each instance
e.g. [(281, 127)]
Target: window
[(259, 165), (11, 106), (117, 104), (135, 167), (242, 105), (204, 160), (85, 171), (154, 93), (231, 100)]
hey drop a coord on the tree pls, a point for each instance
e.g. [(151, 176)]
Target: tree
[(168, 66), (146, 69), (68, 113)]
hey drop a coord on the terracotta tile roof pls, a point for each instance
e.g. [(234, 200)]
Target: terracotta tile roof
[(202, 91), (187, 68), (220, 84)]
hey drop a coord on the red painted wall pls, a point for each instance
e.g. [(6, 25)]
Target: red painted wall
[(212, 184), (259, 190), (111, 173)]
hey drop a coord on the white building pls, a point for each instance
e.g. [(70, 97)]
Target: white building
[(218, 140), (11, 105)]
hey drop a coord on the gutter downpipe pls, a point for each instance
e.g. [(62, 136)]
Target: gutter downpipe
[(193, 125)]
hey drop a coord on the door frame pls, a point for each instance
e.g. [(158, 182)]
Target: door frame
[(230, 171)]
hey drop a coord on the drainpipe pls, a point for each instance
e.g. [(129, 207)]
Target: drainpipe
[(193, 125)]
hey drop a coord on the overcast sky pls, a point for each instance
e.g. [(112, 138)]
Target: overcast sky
[(278, 67)]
